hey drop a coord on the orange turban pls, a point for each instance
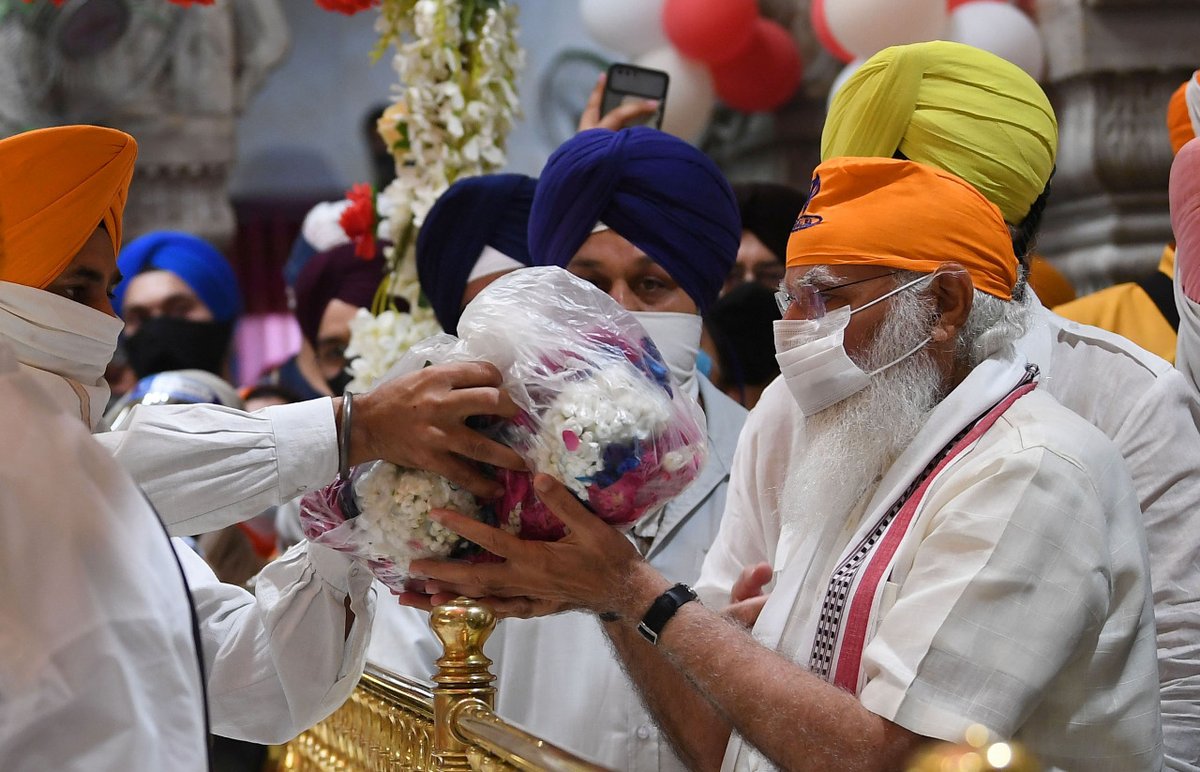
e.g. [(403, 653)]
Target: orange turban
[(59, 185), (1179, 121), (903, 215)]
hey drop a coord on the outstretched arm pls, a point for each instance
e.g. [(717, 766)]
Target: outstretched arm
[(206, 466), (796, 719)]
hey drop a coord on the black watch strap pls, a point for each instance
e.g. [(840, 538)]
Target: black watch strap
[(663, 608)]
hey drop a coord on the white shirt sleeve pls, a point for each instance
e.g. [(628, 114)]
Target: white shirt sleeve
[(205, 467), (280, 660)]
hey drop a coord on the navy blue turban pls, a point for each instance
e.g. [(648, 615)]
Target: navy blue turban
[(192, 259), (655, 190), (475, 212)]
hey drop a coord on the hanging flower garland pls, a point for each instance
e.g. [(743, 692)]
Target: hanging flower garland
[(457, 62)]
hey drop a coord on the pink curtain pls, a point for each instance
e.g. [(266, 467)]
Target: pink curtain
[(263, 341)]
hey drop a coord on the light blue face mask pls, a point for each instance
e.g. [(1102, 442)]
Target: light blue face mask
[(813, 360)]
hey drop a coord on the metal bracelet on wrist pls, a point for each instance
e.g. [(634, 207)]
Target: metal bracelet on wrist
[(344, 445)]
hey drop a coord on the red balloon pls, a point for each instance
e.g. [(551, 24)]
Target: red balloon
[(821, 28), (764, 75), (709, 31)]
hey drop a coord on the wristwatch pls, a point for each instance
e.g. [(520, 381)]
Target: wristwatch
[(663, 608)]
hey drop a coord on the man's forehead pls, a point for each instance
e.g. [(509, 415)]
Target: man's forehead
[(609, 247)]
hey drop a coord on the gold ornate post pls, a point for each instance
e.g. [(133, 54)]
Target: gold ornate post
[(463, 673)]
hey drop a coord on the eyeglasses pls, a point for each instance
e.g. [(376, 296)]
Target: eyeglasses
[(809, 299)]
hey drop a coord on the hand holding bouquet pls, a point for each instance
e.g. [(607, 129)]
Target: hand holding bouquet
[(599, 412)]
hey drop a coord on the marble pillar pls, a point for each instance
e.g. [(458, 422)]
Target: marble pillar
[(175, 78), (1111, 67)]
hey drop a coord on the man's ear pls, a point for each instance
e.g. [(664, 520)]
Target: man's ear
[(954, 292)]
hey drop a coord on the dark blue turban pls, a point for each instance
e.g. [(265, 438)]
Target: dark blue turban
[(655, 190), (475, 212), (192, 259)]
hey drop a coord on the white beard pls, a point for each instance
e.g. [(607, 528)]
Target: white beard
[(850, 445)]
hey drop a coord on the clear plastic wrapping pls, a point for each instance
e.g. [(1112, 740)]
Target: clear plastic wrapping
[(599, 412)]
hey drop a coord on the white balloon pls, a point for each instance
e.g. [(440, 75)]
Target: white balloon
[(841, 79), (1002, 29), (864, 27), (632, 27), (690, 94)]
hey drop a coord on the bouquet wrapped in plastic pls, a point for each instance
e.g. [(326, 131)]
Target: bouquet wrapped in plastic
[(598, 411)]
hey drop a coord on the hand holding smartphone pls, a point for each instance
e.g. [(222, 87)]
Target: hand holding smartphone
[(628, 90)]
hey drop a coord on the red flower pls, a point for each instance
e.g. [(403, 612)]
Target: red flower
[(360, 221), (348, 7), (186, 3), (56, 2)]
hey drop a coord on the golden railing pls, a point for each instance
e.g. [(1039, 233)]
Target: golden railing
[(391, 723)]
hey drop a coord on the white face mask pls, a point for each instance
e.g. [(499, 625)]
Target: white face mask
[(63, 345), (677, 337), (813, 360)]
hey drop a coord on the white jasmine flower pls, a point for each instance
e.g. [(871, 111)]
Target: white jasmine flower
[(394, 508)]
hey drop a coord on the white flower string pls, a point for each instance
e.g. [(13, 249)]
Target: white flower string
[(395, 506), (456, 101)]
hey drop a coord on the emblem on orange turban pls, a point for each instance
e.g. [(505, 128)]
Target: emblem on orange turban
[(903, 215), (60, 184)]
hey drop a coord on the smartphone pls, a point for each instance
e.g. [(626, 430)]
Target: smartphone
[(630, 83)]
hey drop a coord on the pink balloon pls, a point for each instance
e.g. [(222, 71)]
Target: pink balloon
[(763, 76), (825, 37), (709, 31)]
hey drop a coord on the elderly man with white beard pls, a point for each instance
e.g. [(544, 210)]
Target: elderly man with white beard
[(955, 547)]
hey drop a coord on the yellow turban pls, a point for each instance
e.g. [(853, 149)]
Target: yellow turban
[(59, 185), (1179, 121), (955, 107), (903, 215)]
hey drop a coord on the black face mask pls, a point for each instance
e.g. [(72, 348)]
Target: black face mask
[(339, 382), (163, 343)]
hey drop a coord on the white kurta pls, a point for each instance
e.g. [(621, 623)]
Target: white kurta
[(98, 665), (1019, 598), (1138, 400), (206, 467), (276, 662), (279, 661), (558, 675)]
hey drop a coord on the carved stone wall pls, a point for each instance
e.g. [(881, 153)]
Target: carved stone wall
[(175, 78), (1111, 67)]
